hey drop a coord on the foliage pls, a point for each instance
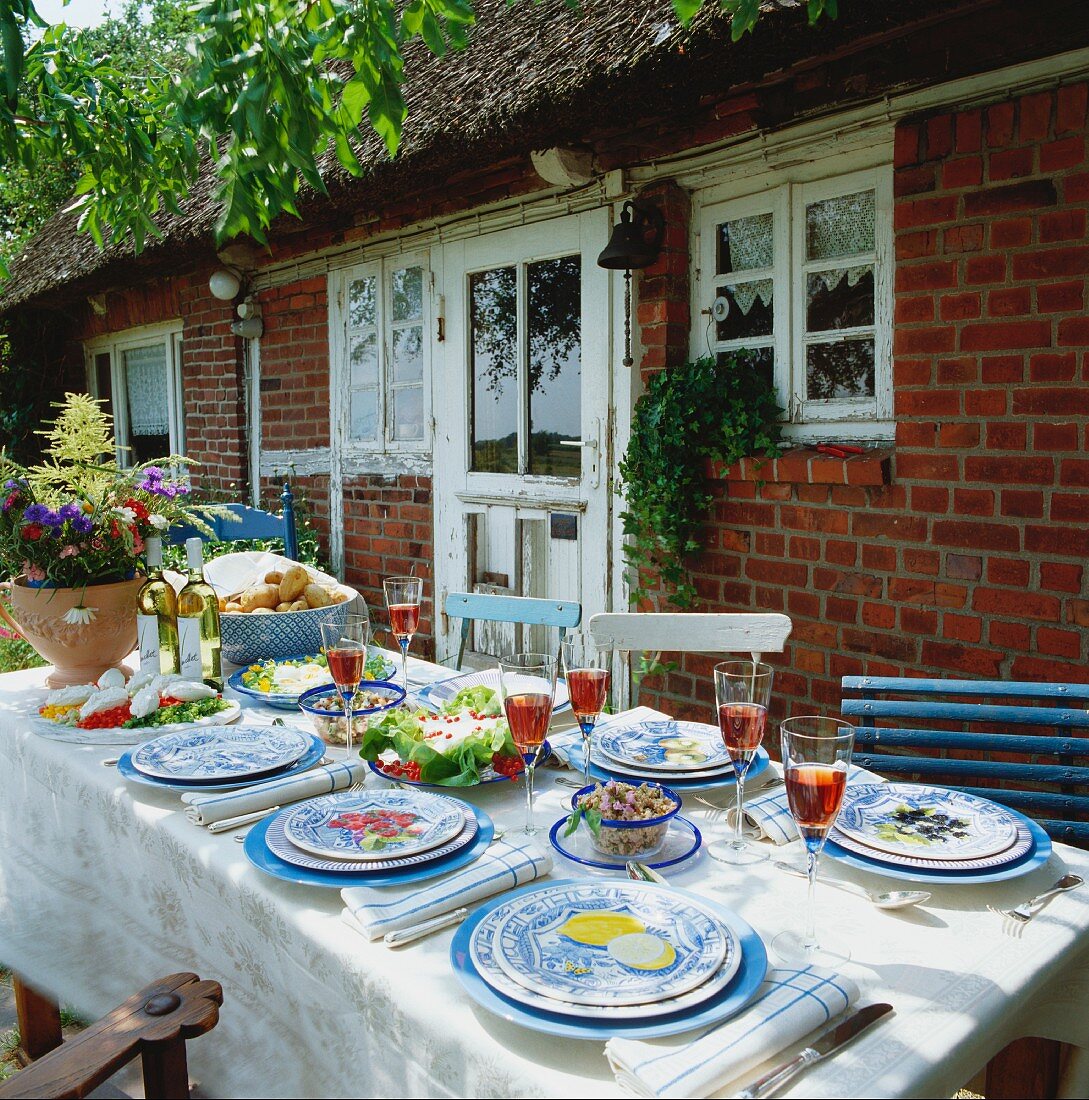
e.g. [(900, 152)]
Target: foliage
[(271, 93), (16, 653), (77, 518), (704, 410)]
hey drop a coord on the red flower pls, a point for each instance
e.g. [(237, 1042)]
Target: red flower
[(115, 530), (139, 508), (32, 532)]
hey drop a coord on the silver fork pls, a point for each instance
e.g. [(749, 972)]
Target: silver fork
[(355, 788), (1015, 919), (771, 784)]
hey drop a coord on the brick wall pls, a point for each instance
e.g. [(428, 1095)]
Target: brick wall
[(961, 552)]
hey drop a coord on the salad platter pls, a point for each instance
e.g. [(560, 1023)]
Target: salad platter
[(279, 682), (438, 696)]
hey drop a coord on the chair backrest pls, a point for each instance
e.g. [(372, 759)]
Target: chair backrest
[(527, 610), (668, 632), (250, 523), (933, 740)]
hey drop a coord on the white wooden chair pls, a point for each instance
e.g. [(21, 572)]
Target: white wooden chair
[(673, 632)]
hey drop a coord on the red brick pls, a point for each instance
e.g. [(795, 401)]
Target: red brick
[(1051, 401), (1030, 195), (925, 498), (840, 553), (980, 270), (930, 593), (1060, 297), (1059, 643), (939, 136), (1021, 470), (1054, 672), (957, 307), (962, 628), (914, 181), (963, 238), (973, 502), (1003, 368), (1007, 437), (1014, 302), (881, 615), (1055, 437), (930, 276), (1076, 187), (1062, 225), (1022, 503), (999, 124), (1000, 336), (1046, 264), (918, 620), (1062, 541), (910, 246), (1034, 119), (910, 372), (1070, 108), (928, 211), (1008, 571), (1009, 635), (927, 467), (958, 371), (1010, 163), (968, 128), (1074, 332), (906, 144), (1011, 233), (1060, 576), (960, 658), (1070, 507), (975, 535), (928, 402), (1052, 367), (963, 172), (958, 435), (963, 567), (916, 308)]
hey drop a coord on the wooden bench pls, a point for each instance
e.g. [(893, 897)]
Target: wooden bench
[(153, 1024)]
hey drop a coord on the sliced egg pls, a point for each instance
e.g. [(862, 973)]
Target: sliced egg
[(145, 702), (160, 682), (68, 696), (104, 700), (112, 678), (140, 680), (189, 691), (642, 951)]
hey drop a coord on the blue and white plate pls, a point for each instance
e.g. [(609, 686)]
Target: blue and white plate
[(665, 745), (682, 842), (482, 947), (220, 754), (906, 819), (438, 694), (604, 769), (373, 824), (609, 943), (258, 853), (290, 700), (279, 845), (600, 1026), (315, 752)]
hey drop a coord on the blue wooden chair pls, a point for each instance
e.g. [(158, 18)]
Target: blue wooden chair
[(527, 610), (252, 523), (1041, 766)]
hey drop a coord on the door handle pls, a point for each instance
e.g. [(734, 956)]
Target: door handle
[(593, 446)]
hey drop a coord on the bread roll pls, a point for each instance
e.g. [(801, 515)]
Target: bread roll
[(293, 584), (260, 595), (222, 603), (337, 595), (262, 611), (274, 577), (233, 607), (299, 605), (316, 596), (283, 605)]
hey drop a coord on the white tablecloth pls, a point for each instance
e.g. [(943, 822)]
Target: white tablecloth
[(104, 886)]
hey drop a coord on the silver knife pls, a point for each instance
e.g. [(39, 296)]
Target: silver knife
[(424, 928), (642, 873), (828, 1042)]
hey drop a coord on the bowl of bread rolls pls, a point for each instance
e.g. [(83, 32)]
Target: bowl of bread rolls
[(281, 614)]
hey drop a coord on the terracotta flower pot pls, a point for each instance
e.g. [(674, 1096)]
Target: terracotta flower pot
[(79, 652)]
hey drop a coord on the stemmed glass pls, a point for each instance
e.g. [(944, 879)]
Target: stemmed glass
[(816, 756), (586, 665), (527, 685), (345, 647), (403, 596), (742, 694)]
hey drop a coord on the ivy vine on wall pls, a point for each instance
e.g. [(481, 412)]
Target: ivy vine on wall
[(707, 409)]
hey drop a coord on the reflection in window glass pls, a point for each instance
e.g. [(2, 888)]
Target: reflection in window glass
[(762, 360), (555, 384), (841, 369), (408, 354), (408, 413), (840, 226), (364, 360), (406, 290), (745, 244), (751, 310), (363, 302), (363, 415), (146, 389), (494, 369), (842, 298)]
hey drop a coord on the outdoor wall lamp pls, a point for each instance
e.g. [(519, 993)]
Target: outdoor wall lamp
[(635, 243), (225, 284)]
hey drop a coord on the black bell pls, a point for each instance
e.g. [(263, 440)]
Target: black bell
[(636, 239)]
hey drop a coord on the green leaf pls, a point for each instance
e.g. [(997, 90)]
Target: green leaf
[(686, 10)]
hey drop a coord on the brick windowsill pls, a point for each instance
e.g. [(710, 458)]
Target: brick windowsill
[(806, 466)]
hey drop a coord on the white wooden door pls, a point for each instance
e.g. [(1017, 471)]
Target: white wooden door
[(522, 417)]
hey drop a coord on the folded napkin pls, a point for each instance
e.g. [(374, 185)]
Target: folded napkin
[(791, 1003), (376, 910), (205, 808), (767, 816), (567, 746)]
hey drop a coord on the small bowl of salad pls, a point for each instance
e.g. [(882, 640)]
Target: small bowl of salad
[(630, 820), (280, 682), (326, 710)]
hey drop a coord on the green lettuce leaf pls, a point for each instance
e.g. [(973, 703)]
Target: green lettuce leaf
[(479, 699)]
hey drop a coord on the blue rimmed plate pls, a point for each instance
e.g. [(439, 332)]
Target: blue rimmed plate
[(730, 1000), (600, 769), (315, 751), (1036, 857), (609, 943), (664, 745), (435, 695), (258, 853), (378, 667), (682, 842), (376, 824), (226, 754)]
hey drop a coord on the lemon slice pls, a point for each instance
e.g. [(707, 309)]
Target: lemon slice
[(642, 951), (596, 929)]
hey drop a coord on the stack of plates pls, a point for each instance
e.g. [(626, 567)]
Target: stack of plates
[(682, 755), (357, 838), (591, 960), (220, 757), (930, 834)]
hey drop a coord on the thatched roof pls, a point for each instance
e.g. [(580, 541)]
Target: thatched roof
[(533, 76)]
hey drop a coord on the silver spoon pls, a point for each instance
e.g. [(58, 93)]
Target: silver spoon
[(889, 899)]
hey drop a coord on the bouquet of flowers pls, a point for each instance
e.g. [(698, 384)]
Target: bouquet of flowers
[(78, 519)]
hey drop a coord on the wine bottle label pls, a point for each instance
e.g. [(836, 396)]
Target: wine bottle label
[(147, 639), (191, 666)]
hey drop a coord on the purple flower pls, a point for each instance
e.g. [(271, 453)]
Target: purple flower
[(153, 473), (52, 519), (82, 524), (36, 513), (69, 511)]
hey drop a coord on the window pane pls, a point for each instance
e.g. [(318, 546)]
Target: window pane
[(839, 299), (147, 379), (493, 323), (363, 356), (407, 292), (750, 310), (745, 244), (363, 302), (408, 354), (408, 421), (104, 381), (842, 369), (842, 226), (364, 416), (554, 315), (762, 360)]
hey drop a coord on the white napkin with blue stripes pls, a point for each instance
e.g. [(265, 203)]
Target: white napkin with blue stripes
[(567, 746), (376, 910), (791, 1003), (204, 809), (767, 816)]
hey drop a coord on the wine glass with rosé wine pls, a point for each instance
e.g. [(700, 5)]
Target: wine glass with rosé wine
[(586, 667), (345, 647), (742, 695), (816, 756), (403, 595), (527, 685)]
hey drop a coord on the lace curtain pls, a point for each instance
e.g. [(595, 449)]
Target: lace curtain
[(146, 381), (750, 246)]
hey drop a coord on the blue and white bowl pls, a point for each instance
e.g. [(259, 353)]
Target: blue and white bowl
[(630, 839), (329, 723), (248, 638)]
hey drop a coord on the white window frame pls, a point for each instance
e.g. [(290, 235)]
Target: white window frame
[(115, 345), (340, 368), (785, 197)]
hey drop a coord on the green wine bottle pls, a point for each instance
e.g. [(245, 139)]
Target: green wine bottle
[(157, 616), (198, 622)]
